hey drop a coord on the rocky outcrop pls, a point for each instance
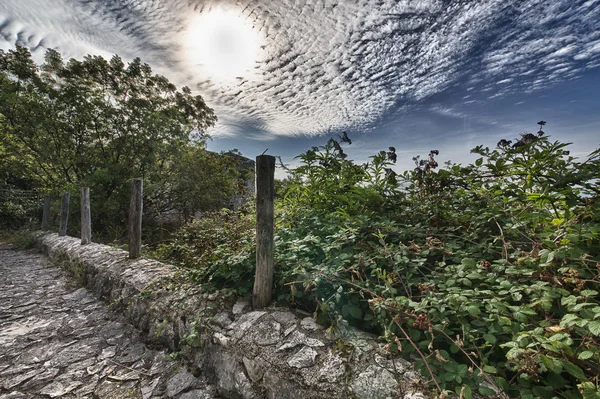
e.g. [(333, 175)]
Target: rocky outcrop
[(268, 353)]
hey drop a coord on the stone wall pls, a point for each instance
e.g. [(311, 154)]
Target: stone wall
[(272, 353)]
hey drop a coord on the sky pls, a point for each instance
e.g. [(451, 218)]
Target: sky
[(285, 75)]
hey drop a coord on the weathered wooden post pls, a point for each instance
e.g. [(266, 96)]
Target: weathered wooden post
[(265, 189), (86, 216), (64, 214), (135, 220), (46, 214)]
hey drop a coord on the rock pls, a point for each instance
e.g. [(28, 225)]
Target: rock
[(333, 369), (57, 388), (268, 333), (115, 390), (417, 395), (289, 330), (71, 354), (197, 394), (16, 380), (148, 388), (222, 319), (180, 382), (281, 388), (395, 366), (111, 351), (76, 295), (272, 353), (87, 389), (254, 368), (212, 296), (229, 375), (220, 339), (239, 306), (244, 323), (131, 376), (132, 354), (298, 338), (374, 383), (286, 318), (14, 395), (309, 324), (305, 357)]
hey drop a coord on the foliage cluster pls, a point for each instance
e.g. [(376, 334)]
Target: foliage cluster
[(99, 123), (17, 206), (487, 274), (218, 249)]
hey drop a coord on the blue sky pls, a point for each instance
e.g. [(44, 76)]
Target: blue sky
[(286, 75)]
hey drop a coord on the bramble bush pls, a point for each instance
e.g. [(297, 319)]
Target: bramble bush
[(486, 274), (217, 249)]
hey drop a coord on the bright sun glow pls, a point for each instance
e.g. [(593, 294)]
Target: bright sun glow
[(223, 44)]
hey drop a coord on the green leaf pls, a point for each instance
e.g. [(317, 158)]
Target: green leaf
[(543, 392), (594, 327), (568, 319), (466, 390), (546, 361), (585, 355), (473, 310), (574, 370), (414, 334), (486, 391), (514, 353), (355, 312), (489, 369), (490, 338)]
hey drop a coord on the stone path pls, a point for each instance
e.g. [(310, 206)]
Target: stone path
[(58, 341)]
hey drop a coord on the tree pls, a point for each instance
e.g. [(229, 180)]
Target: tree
[(199, 180), (94, 122)]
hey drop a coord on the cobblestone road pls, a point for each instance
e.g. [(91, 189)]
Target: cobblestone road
[(58, 341)]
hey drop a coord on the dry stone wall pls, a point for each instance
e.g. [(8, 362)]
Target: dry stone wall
[(269, 353)]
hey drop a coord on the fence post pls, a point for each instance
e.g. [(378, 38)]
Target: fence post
[(86, 217), (265, 180), (135, 220), (64, 214), (46, 214)]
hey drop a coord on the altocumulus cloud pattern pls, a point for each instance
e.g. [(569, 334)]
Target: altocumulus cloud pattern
[(328, 64)]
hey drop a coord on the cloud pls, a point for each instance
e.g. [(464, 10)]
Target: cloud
[(327, 65)]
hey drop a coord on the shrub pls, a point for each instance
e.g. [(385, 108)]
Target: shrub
[(486, 273), (218, 249)]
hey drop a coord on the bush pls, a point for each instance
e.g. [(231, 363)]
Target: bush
[(487, 273), (218, 249), (11, 215)]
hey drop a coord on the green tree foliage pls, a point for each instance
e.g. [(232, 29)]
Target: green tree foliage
[(200, 180), (99, 123)]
